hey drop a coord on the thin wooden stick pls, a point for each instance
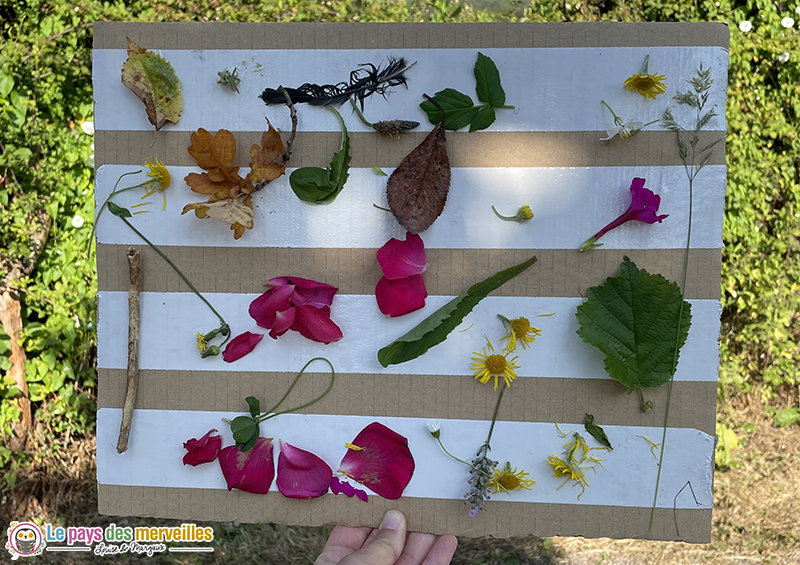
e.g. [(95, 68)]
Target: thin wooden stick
[(135, 264), (293, 115)]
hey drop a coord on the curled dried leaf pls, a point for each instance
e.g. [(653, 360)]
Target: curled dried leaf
[(417, 190)]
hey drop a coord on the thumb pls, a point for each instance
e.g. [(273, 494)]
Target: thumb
[(386, 546)]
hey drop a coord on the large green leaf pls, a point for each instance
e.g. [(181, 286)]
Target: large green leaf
[(488, 84), (633, 319), (459, 109), (320, 186), (434, 329)]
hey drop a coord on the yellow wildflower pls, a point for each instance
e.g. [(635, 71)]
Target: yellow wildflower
[(494, 365), (202, 344), (648, 85), (508, 480), (569, 467), (161, 182), (519, 329)]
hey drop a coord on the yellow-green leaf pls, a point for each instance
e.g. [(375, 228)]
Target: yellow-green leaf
[(150, 77)]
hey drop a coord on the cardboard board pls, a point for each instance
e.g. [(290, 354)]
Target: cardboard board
[(547, 153)]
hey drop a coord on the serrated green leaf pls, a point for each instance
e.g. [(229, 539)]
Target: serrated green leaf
[(459, 110), (596, 431), (254, 405), (488, 84), (483, 118), (434, 329), (119, 210), (320, 186), (633, 319)]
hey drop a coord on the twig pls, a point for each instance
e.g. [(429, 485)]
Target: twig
[(293, 115), (675, 504), (135, 264), (57, 35)]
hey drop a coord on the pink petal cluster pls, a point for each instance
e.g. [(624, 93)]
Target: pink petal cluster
[(401, 290), (644, 208), (203, 450), (301, 305), (382, 462), (240, 346), (250, 471)]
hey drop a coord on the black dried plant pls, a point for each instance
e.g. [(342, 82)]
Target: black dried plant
[(365, 81)]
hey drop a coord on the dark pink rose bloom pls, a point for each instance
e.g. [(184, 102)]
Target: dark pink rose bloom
[(203, 450), (301, 474), (343, 487), (399, 259), (379, 459), (301, 305), (401, 296), (250, 471), (644, 208), (240, 346)]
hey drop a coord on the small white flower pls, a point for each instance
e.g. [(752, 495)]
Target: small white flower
[(77, 222), (88, 128), (624, 131), (797, 9), (433, 428), (745, 26), (783, 57), (787, 22)]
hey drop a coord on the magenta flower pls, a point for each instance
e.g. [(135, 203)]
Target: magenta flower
[(302, 305), (250, 471), (379, 459), (240, 346), (203, 450), (402, 288), (301, 474), (644, 205), (342, 487)]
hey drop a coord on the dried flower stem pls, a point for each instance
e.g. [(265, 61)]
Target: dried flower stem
[(135, 268), (293, 115)]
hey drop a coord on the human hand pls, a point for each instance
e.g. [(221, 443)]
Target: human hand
[(386, 545)]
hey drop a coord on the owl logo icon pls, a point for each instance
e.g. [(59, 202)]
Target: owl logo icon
[(25, 539)]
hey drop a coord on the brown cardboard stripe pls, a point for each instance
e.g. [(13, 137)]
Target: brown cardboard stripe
[(361, 35), (486, 149), (499, 518), (437, 396), (558, 272)]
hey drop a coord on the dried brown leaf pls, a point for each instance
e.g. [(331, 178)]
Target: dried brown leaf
[(266, 160), (417, 190)]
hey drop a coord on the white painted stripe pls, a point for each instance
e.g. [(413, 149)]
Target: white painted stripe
[(170, 320), (570, 205), (155, 452), (554, 89)]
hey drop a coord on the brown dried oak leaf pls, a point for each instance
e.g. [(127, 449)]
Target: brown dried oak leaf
[(417, 190), (230, 197)]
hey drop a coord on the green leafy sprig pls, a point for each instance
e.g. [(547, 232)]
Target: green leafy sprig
[(460, 110), (596, 431), (318, 185)]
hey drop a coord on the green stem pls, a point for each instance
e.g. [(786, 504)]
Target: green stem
[(617, 119), (360, 115), (646, 64), (177, 270), (451, 455), (507, 218), (494, 416), (269, 414), (505, 107), (103, 207)]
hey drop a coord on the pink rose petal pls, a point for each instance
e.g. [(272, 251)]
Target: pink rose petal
[(250, 471), (307, 291), (283, 321), (399, 259), (264, 308), (203, 450), (384, 463), (240, 346), (401, 296), (343, 487), (301, 474), (315, 325)]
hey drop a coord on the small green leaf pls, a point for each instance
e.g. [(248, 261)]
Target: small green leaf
[(434, 329), (254, 405), (378, 171), (6, 84), (787, 417), (596, 431), (459, 110), (317, 185), (244, 429), (483, 118), (249, 444), (633, 319), (488, 82), (119, 210)]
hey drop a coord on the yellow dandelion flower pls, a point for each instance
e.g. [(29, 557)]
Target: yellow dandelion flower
[(519, 329), (161, 179), (494, 365), (507, 479), (646, 84), (202, 344), (569, 467)]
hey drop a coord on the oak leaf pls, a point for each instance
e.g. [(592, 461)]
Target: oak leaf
[(230, 210), (150, 77), (417, 190)]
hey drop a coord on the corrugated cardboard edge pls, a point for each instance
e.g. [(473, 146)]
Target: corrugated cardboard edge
[(498, 519), (557, 272), (219, 35)]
